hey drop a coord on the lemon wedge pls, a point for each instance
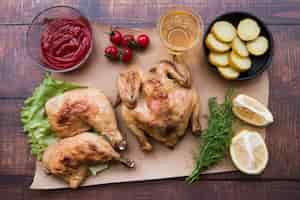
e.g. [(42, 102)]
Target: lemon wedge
[(251, 111), (249, 152)]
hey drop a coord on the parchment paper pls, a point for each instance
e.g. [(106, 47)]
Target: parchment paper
[(162, 162)]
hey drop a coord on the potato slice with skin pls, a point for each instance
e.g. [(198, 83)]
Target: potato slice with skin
[(224, 31), (215, 45), (228, 73), (248, 29), (218, 59), (239, 47), (259, 46), (239, 63)]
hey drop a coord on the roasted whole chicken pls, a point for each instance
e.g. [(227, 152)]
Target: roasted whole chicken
[(159, 103), (70, 157), (80, 110)]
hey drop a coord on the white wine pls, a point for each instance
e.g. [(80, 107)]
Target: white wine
[(180, 30)]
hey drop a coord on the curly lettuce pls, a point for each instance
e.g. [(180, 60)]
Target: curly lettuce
[(33, 117)]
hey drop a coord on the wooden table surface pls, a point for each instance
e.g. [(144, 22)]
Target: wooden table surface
[(19, 76)]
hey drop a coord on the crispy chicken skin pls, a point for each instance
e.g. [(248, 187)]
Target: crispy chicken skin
[(80, 110), (159, 103), (70, 157)]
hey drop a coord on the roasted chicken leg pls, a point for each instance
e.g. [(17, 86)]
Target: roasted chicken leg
[(70, 157), (159, 103), (80, 110)]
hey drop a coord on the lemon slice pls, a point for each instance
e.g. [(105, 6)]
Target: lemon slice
[(251, 111), (249, 152)]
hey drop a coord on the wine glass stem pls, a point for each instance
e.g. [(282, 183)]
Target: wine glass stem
[(178, 58)]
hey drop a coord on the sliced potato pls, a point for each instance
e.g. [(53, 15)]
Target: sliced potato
[(239, 63), (215, 45), (218, 59), (228, 73), (239, 47), (248, 29), (259, 46), (224, 31)]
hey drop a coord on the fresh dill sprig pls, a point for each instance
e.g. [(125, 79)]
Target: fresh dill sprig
[(216, 138)]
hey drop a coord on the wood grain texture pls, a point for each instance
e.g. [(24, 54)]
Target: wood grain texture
[(147, 11), (179, 190), (14, 149), (10, 192), (170, 189), (19, 76)]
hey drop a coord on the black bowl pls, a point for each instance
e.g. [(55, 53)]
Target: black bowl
[(259, 63)]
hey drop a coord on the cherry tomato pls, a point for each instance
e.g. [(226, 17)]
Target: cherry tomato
[(116, 37), (126, 55), (128, 41), (143, 41), (111, 52)]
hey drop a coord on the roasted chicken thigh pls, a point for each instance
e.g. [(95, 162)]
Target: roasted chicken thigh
[(70, 157), (159, 103), (72, 114), (80, 110)]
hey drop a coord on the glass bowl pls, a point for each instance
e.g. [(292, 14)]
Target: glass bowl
[(180, 29), (39, 22)]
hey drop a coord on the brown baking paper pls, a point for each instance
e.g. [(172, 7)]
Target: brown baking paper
[(162, 162)]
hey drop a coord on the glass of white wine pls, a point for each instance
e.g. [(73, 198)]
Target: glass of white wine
[(180, 29)]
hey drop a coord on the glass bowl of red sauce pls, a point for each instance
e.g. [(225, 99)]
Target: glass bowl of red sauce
[(59, 39)]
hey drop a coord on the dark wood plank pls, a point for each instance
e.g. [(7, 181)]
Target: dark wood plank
[(14, 150), (172, 189), (147, 11), (19, 74), (225, 190), (11, 192)]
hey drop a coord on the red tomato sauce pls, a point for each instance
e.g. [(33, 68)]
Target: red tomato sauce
[(65, 42)]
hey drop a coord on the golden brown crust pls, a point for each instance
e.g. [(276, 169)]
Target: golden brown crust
[(164, 107), (70, 157), (80, 110), (129, 83)]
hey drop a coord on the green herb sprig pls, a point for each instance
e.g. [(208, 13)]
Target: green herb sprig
[(216, 138)]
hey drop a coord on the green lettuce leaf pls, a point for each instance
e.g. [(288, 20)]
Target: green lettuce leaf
[(98, 168), (33, 116)]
